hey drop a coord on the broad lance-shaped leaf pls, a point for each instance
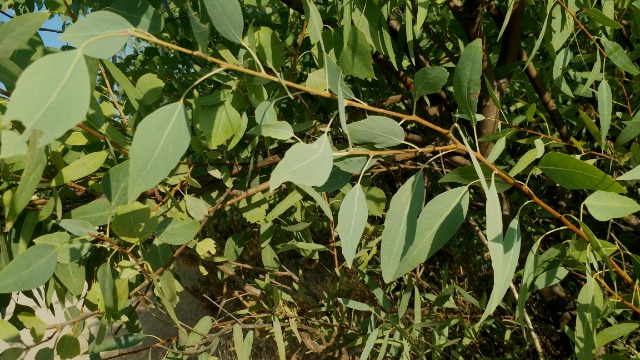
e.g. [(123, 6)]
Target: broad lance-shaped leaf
[(80, 168), (605, 106), (616, 53), (100, 34), (36, 162), (466, 80), (504, 251), (400, 224), (52, 96), (588, 309), (352, 218), (378, 130), (605, 206), (572, 173), (17, 32), (158, 144), (226, 17), (438, 221), (306, 164), (633, 174), (30, 269)]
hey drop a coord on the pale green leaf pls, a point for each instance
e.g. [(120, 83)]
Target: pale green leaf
[(429, 81), (134, 222), (80, 168), (97, 212), (630, 131), (150, 86), (31, 269), (70, 248), (378, 130), (605, 107), (176, 232), (281, 130), (353, 304), (352, 219), (605, 206), (100, 34), (616, 53), (219, 123), (466, 80), (319, 200), (314, 21), (72, 276), (633, 174), (52, 96), (306, 164), (588, 309), (437, 223), (400, 224), (270, 48), (115, 184), (603, 19), (615, 332), (158, 144), (277, 334), (8, 332), (78, 227), (16, 33), (355, 58), (572, 173), (226, 17)]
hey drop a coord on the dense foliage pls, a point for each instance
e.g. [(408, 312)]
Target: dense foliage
[(350, 179)]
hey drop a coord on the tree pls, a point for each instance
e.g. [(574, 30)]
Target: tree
[(402, 179)]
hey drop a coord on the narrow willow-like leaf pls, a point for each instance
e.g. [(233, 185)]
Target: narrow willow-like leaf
[(438, 221), (133, 94), (605, 106), (17, 32), (630, 131), (504, 260), (226, 17), (603, 19), (306, 164), (120, 342), (352, 219), (572, 173), (100, 34), (378, 130), (52, 96), (466, 80), (591, 127), (105, 281), (605, 206), (429, 80), (588, 309), (507, 16), (615, 332), (593, 76), (616, 53), (80, 168), (314, 22), (158, 144), (633, 174), (368, 345), (36, 162), (30, 269), (400, 224), (277, 334)]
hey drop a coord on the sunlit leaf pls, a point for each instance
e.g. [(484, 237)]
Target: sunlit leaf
[(605, 206), (378, 130), (572, 173), (306, 164), (134, 222), (176, 232), (80, 168), (226, 17), (616, 53), (30, 269), (100, 34), (352, 219)]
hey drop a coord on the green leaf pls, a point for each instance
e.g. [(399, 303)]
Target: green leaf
[(429, 81), (104, 276), (504, 258), (68, 347), (70, 248), (52, 96), (219, 123), (11, 354), (615, 332), (281, 130), (97, 212), (226, 17), (200, 31), (16, 33), (376, 200), (467, 175), (72, 276), (9, 74), (78, 227), (277, 334), (355, 305), (630, 132), (270, 48), (319, 200), (31, 269), (605, 106), (306, 164), (150, 86), (33, 169), (605, 206), (368, 346), (378, 130), (133, 94), (572, 173), (100, 34), (550, 277), (80, 168), (8, 332), (352, 219), (466, 80), (134, 222), (139, 14), (615, 52), (400, 224), (591, 127), (633, 174), (588, 309), (437, 223), (120, 342), (177, 232), (158, 144), (115, 184), (355, 58), (314, 22), (603, 19)]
